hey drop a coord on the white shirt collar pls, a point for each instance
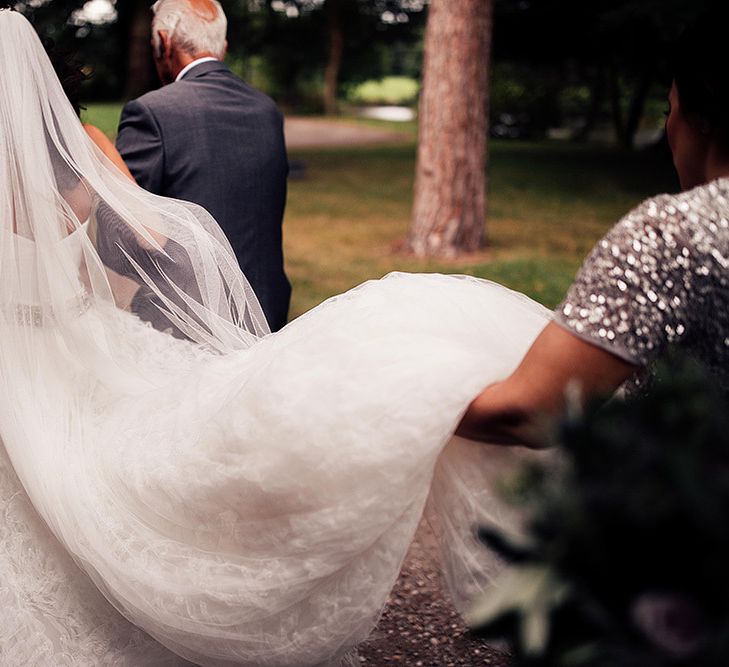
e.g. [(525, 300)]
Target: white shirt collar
[(194, 63)]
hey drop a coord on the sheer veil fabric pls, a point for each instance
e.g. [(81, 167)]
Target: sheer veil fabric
[(244, 498)]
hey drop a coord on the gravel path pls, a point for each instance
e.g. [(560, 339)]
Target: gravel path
[(419, 626), (311, 132)]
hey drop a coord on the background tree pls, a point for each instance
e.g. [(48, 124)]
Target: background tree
[(101, 40), (336, 52), (615, 51), (310, 40), (450, 182), (135, 22), (296, 50)]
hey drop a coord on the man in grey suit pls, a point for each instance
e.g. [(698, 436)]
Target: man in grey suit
[(209, 138)]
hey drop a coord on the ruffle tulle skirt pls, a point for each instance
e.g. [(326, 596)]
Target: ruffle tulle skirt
[(254, 508)]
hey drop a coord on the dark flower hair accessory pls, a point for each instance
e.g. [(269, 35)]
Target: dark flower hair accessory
[(624, 561)]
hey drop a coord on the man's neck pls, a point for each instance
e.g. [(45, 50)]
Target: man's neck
[(183, 61), (194, 63)]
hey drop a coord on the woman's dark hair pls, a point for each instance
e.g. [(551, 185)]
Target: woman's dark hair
[(700, 70), (70, 72)]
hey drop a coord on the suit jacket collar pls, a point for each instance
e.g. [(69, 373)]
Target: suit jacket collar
[(205, 68)]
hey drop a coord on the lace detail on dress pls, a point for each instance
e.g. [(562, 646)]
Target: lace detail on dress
[(51, 614), (29, 313), (33, 315)]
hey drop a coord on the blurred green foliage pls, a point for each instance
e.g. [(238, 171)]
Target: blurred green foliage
[(283, 52), (284, 47), (624, 562), (390, 90), (587, 64), (557, 63)]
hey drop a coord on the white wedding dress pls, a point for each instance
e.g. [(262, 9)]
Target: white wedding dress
[(51, 614), (243, 498)]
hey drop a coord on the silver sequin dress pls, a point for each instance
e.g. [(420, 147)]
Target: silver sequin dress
[(659, 277)]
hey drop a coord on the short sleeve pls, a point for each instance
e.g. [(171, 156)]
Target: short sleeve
[(632, 295)]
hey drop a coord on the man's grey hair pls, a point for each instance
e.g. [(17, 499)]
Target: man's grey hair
[(189, 29)]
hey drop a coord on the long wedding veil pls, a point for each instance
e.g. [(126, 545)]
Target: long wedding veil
[(165, 260), (104, 290), (225, 490)]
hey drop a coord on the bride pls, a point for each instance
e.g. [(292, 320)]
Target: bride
[(171, 470)]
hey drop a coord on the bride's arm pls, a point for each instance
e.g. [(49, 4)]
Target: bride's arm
[(510, 412), (108, 148)]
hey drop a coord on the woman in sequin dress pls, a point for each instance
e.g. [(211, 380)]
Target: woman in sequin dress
[(658, 277)]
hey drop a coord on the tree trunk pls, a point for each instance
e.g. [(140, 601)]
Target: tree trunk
[(336, 52), (616, 95), (139, 70), (637, 107), (627, 126), (450, 180), (597, 93)]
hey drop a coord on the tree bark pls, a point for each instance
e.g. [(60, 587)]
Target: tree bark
[(450, 181), (637, 107), (627, 126), (139, 70), (597, 93), (336, 53), (616, 95)]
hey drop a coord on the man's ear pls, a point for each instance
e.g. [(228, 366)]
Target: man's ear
[(163, 45), (225, 50)]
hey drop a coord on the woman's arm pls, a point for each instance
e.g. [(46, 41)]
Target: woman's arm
[(509, 412), (108, 149)]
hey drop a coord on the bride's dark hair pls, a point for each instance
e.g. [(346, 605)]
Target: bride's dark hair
[(69, 70), (700, 71)]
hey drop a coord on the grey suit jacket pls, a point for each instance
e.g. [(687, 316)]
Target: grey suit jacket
[(214, 140)]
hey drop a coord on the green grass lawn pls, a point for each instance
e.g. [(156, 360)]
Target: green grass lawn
[(548, 204), (105, 115)]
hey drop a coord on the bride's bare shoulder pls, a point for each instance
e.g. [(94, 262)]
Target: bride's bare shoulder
[(107, 148), (97, 136)]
